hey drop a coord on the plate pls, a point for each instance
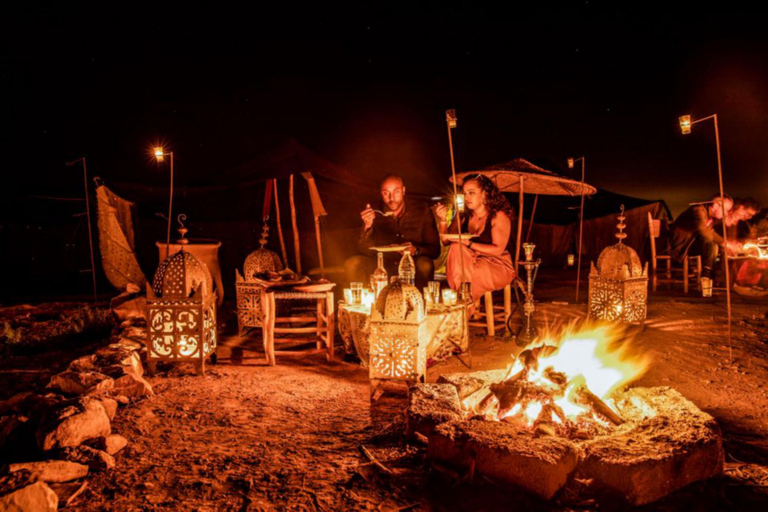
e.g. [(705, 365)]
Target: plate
[(454, 237), (280, 283), (319, 287), (390, 248)]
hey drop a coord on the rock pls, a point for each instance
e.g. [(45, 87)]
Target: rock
[(10, 424), (135, 334), (118, 355), (96, 460), (122, 399), (110, 406), (465, 385), (671, 443), (28, 403), (431, 405), (84, 364), (71, 422), (111, 444), (68, 492), (81, 383), (130, 309), (507, 453), (52, 470), (21, 492), (133, 386)]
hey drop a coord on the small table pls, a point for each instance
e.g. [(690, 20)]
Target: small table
[(447, 330), (206, 251)]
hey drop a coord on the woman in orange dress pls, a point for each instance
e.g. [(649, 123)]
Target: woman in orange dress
[(487, 262)]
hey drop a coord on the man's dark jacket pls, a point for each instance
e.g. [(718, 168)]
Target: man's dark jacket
[(416, 224)]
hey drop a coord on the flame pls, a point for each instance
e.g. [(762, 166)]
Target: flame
[(597, 356)]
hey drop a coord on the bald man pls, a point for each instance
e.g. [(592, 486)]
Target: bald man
[(404, 222)]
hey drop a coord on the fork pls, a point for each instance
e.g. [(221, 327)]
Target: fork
[(386, 214)]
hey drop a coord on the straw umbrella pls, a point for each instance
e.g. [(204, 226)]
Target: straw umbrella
[(520, 175)]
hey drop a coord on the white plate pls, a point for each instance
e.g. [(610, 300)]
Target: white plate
[(318, 287), (454, 237), (390, 248)]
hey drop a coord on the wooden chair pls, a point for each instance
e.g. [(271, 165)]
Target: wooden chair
[(493, 316), (691, 264)]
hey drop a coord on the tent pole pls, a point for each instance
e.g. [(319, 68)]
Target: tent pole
[(519, 226), (280, 228), (319, 246), (581, 230), (296, 246), (530, 221)]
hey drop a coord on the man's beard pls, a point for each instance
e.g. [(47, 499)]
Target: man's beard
[(393, 206)]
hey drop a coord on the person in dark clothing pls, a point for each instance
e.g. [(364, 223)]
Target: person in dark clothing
[(398, 222), (693, 233)]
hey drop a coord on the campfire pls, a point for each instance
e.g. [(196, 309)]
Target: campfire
[(562, 390), (563, 412)]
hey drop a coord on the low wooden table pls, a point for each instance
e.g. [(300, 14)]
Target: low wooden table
[(257, 307), (447, 330)]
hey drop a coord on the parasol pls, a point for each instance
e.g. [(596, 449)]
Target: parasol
[(520, 175)]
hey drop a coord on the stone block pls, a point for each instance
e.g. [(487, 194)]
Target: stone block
[(432, 404), (507, 453), (669, 444)]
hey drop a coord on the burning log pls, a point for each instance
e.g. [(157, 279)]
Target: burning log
[(530, 357), (579, 394), (543, 424)]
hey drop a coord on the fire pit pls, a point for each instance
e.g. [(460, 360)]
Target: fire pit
[(565, 412)]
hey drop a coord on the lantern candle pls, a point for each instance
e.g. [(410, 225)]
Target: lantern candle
[(449, 297), (367, 298)]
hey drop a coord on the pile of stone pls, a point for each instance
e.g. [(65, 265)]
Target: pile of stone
[(663, 443), (67, 432)]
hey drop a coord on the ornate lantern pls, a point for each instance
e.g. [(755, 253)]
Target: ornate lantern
[(398, 336), (250, 292), (618, 287), (182, 311)]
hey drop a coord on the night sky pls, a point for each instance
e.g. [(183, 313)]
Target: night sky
[(368, 89)]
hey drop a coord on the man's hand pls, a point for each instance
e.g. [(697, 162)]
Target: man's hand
[(733, 247), (410, 248), (367, 215)]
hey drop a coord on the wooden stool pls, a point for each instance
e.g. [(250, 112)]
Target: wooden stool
[(322, 331), (691, 264), (493, 315)]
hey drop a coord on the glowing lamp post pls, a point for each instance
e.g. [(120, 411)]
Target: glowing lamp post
[(460, 203), (685, 127), (160, 154), (571, 162)]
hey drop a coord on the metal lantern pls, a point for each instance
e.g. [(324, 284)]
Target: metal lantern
[(182, 312), (250, 292), (398, 336), (618, 286)]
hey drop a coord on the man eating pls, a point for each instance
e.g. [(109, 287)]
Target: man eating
[(398, 222)]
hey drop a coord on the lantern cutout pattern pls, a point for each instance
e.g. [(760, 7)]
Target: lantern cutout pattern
[(618, 287), (182, 311), (249, 290), (398, 336)]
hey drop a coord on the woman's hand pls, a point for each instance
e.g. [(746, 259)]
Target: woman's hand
[(441, 212)]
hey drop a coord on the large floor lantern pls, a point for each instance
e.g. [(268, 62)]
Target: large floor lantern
[(182, 311), (618, 287), (398, 336)]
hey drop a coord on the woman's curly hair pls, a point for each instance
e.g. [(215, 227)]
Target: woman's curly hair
[(495, 200)]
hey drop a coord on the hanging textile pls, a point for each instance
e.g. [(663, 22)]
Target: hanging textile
[(116, 240)]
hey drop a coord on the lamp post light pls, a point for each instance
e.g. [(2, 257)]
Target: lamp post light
[(160, 155), (685, 127), (571, 162)]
